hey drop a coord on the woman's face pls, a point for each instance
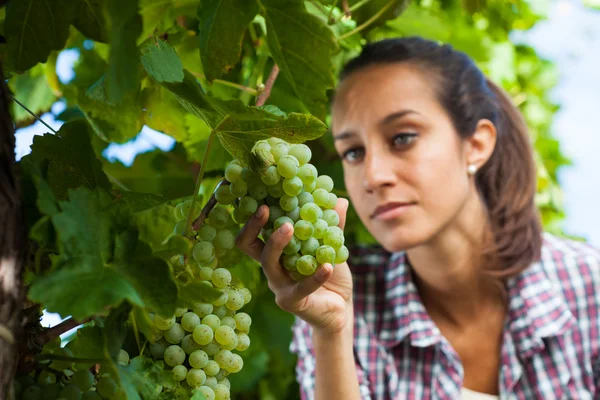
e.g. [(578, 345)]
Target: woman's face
[(404, 164)]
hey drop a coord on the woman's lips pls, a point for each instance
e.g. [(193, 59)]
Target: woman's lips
[(390, 210)]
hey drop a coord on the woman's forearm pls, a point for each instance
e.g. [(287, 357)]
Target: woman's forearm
[(335, 370)]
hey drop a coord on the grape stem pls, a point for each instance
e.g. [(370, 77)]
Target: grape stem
[(212, 202), (367, 22), (57, 330), (262, 98)]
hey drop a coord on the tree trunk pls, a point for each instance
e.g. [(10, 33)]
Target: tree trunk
[(12, 243)]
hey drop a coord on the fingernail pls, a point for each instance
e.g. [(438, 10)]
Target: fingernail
[(325, 270), (284, 229), (259, 213)]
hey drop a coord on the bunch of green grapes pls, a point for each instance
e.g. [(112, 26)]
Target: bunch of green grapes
[(61, 381), (295, 194)]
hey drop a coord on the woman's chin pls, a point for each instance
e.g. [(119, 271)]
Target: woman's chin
[(394, 242)]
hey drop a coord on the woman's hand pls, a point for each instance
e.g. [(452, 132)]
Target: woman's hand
[(323, 300)]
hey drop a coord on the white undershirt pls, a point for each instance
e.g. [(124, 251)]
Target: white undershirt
[(468, 394)]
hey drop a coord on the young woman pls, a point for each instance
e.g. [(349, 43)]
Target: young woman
[(466, 298)]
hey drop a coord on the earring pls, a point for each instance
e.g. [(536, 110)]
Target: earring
[(471, 169)]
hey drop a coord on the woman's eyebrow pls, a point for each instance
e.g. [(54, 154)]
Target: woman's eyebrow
[(396, 115), (344, 135)]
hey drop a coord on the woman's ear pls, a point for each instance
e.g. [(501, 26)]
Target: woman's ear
[(480, 146)]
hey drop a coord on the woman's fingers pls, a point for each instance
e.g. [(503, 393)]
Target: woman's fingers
[(341, 208), (247, 239), (311, 283), (270, 255)]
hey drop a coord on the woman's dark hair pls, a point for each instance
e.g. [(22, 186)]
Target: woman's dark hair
[(507, 182)]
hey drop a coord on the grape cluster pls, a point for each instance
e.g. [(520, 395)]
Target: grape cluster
[(295, 194), (62, 381)]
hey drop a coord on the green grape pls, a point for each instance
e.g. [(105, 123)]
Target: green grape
[(225, 239), (32, 393), (211, 382), (71, 392), (288, 203), (274, 213), (236, 365), (301, 152), (203, 252), (123, 357), (228, 321), (221, 311), (243, 341), (235, 300), (262, 144), (248, 205), (186, 208), (218, 217), (207, 392), (276, 190), (258, 191), (325, 182), (207, 233), (164, 323), (212, 320), (62, 365), (180, 311), (46, 378), (203, 309), (239, 188), (266, 234), (222, 392), (158, 349), (294, 215), (203, 334), (306, 265), (279, 150), (287, 166), (224, 335), (303, 229), (311, 186), (174, 355), (309, 246), (233, 173), (270, 176), (249, 177), (212, 348), (331, 201), (91, 396), (239, 216), (247, 295), (282, 220), (179, 373), (188, 344), (177, 212), (274, 140), (223, 195), (223, 358), (189, 321), (326, 254), (289, 261), (195, 377), (221, 278), (311, 212), (320, 228), (106, 387), (243, 322), (292, 186), (212, 368), (305, 198), (205, 273), (222, 373), (224, 381), (293, 246), (341, 255), (198, 359), (334, 237), (331, 217), (174, 335), (179, 228), (321, 197), (307, 174)]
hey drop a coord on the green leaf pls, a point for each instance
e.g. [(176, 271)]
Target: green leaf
[(222, 27), (163, 65), (147, 376), (389, 9), (126, 26), (137, 202), (195, 292), (32, 31), (302, 45), (90, 20), (88, 343), (68, 159), (164, 113), (31, 89)]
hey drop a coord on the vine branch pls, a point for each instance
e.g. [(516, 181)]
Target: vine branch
[(57, 330), (212, 202), (262, 98), (368, 22)]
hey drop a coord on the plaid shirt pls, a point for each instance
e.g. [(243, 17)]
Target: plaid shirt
[(551, 345)]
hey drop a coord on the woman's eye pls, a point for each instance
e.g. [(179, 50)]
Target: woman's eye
[(404, 139), (352, 155)]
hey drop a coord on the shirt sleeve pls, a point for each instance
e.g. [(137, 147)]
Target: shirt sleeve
[(305, 367)]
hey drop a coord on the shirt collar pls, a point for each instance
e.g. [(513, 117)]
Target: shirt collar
[(536, 309)]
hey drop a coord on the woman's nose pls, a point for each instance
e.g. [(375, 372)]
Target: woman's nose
[(379, 170)]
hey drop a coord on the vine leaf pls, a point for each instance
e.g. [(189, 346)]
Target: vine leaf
[(303, 46), (31, 88), (32, 31), (393, 8), (221, 30), (90, 20)]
